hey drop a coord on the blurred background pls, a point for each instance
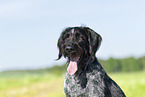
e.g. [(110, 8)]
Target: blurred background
[(29, 30)]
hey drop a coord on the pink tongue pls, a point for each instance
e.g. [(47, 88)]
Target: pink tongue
[(72, 68)]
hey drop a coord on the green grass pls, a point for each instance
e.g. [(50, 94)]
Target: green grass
[(23, 84), (133, 84)]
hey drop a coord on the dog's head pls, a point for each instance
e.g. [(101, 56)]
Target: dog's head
[(78, 44)]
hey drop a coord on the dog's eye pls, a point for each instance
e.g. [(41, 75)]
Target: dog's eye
[(67, 36), (78, 36)]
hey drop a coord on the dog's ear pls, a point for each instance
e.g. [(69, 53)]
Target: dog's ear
[(59, 46), (94, 41)]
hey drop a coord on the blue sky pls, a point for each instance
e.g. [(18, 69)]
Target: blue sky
[(29, 29)]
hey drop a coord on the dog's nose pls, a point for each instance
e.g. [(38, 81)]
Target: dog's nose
[(69, 49)]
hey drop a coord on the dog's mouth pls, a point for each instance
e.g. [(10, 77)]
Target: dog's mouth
[(73, 64)]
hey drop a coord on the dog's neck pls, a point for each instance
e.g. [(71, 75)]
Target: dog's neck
[(81, 75), (83, 65)]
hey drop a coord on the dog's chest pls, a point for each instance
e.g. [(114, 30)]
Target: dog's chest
[(75, 86), (89, 85)]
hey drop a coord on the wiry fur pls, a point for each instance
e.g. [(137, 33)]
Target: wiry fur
[(90, 80)]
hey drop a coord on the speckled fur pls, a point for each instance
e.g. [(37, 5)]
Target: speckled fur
[(92, 82)]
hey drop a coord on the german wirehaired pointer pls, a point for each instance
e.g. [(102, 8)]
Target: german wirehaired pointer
[(85, 76)]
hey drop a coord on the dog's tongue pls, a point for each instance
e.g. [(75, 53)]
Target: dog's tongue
[(72, 68)]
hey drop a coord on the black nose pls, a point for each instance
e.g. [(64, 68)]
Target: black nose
[(68, 48)]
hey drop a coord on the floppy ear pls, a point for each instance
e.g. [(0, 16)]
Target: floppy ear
[(59, 46), (94, 41)]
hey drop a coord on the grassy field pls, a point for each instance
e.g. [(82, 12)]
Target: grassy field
[(22, 84)]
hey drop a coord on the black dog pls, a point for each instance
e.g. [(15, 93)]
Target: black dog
[(85, 77)]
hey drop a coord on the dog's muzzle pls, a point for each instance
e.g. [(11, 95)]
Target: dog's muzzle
[(73, 56), (69, 49)]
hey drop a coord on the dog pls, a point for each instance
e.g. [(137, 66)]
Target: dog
[(85, 76)]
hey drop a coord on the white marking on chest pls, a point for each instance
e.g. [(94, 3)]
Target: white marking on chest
[(72, 31)]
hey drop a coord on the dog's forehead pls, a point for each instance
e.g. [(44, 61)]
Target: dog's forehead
[(77, 30), (72, 31)]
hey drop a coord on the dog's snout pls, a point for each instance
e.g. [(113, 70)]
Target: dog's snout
[(69, 48)]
